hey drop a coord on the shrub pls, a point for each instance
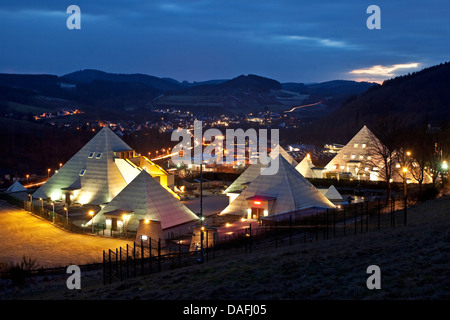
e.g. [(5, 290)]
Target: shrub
[(18, 272), (428, 193)]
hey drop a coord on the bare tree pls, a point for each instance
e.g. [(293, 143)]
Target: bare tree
[(384, 141)]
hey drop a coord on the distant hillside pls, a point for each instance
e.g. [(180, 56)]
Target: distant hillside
[(418, 98), (100, 92), (335, 88), (88, 76)]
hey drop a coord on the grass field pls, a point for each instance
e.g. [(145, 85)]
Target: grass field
[(414, 262)]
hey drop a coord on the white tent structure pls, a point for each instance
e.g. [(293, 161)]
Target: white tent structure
[(145, 198), (285, 191), (308, 169), (92, 174), (253, 171), (16, 187)]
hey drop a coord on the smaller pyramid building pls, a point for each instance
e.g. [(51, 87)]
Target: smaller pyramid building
[(145, 199)]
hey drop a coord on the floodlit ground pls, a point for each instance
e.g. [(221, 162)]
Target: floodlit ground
[(24, 234)]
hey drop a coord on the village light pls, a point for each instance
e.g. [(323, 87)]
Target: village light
[(444, 165), (48, 173)]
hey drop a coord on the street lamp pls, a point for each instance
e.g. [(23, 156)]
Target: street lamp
[(42, 203), (91, 213), (48, 173), (405, 170)]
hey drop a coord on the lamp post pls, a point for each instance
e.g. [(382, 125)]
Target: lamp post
[(67, 215), (42, 203), (48, 173), (91, 213), (53, 205), (405, 170)]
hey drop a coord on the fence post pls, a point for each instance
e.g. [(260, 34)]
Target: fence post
[(362, 216), (134, 257), (104, 268), (393, 214), (367, 216), (207, 254), (334, 223), (290, 230), (317, 226), (276, 233), (159, 255), (120, 263), (406, 209), (142, 258), (110, 265), (344, 220), (117, 263), (379, 212), (128, 270), (150, 248), (250, 237)]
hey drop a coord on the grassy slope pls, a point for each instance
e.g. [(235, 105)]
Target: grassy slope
[(414, 262)]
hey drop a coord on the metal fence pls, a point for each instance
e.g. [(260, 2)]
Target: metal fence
[(350, 220)]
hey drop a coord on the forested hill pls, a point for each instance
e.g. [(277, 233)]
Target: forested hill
[(419, 98)]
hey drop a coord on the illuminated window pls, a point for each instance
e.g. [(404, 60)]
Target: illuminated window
[(82, 172), (98, 156), (369, 158), (361, 157), (144, 237), (364, 145), (91, 155), (353, 156), (355, 145), (342, 167), (344, 156)]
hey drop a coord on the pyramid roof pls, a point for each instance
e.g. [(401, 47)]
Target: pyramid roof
[(256, 168), (356, 151), (16, 187), (92, 170), (332, 194), (305, 167), (290, 190), (147, 199)]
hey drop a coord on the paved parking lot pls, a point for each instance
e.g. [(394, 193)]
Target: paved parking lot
[(24, 234)]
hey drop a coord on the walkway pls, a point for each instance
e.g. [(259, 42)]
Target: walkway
[(24, 234)]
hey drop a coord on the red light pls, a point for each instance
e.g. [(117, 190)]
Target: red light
[(257, 202)]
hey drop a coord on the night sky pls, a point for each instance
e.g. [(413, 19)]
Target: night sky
[(298, 41)]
